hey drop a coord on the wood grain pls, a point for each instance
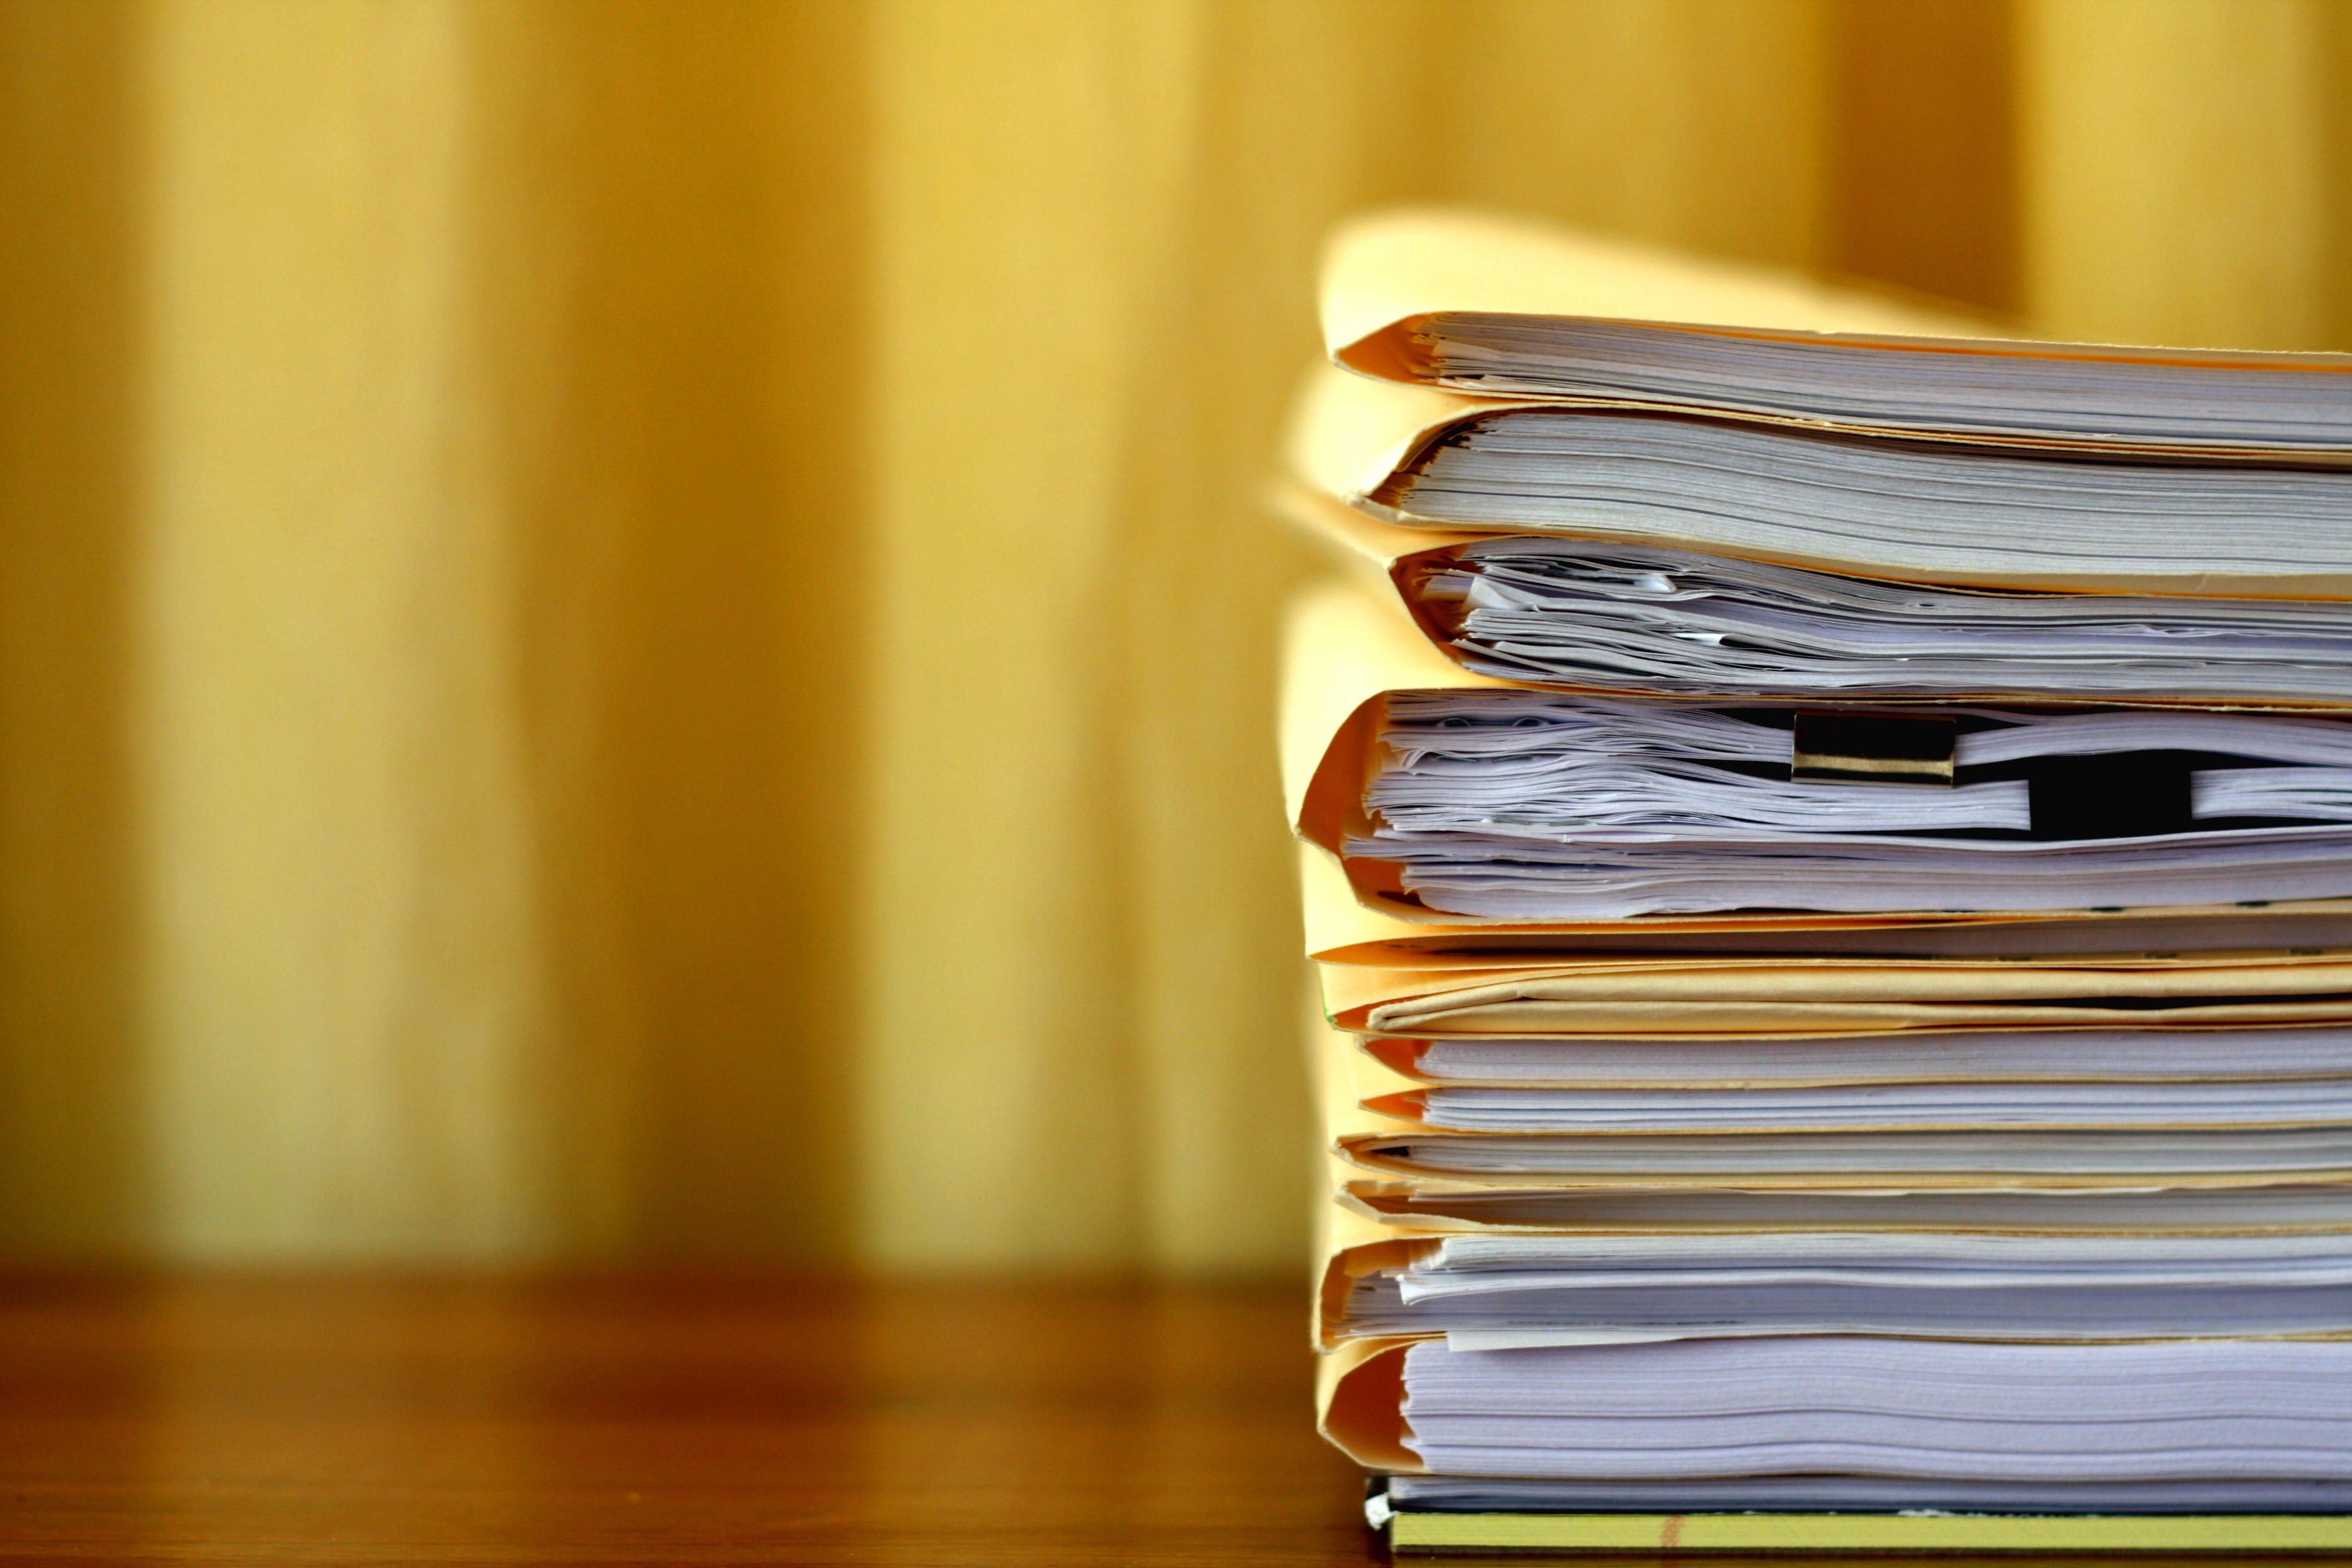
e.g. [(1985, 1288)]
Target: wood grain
[(660, 1420)]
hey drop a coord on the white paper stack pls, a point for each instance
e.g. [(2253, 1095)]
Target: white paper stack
[(1829, 841)]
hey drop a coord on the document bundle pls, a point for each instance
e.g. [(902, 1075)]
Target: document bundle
[(1827, 841)]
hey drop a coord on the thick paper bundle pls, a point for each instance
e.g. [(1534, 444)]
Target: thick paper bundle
[(2270, 820), (1514, 311)]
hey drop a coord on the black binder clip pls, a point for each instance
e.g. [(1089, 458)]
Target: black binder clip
[(1874, 748), (2118, 794)]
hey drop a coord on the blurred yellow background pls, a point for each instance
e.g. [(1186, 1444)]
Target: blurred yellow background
[(639, 628)]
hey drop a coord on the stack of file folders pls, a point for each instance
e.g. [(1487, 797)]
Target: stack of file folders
[(1827, 840)]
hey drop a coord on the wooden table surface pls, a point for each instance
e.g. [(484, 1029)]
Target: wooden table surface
[(668, 1420), (660, 1420)]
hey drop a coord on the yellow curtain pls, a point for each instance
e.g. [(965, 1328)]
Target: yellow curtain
[(642, 626)]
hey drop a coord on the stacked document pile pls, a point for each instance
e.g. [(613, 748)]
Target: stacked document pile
[(1828, 843)]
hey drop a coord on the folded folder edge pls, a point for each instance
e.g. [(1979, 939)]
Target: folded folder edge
[(1360, 1404)]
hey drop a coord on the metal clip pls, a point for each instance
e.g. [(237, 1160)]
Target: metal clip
[(1874, 748)]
